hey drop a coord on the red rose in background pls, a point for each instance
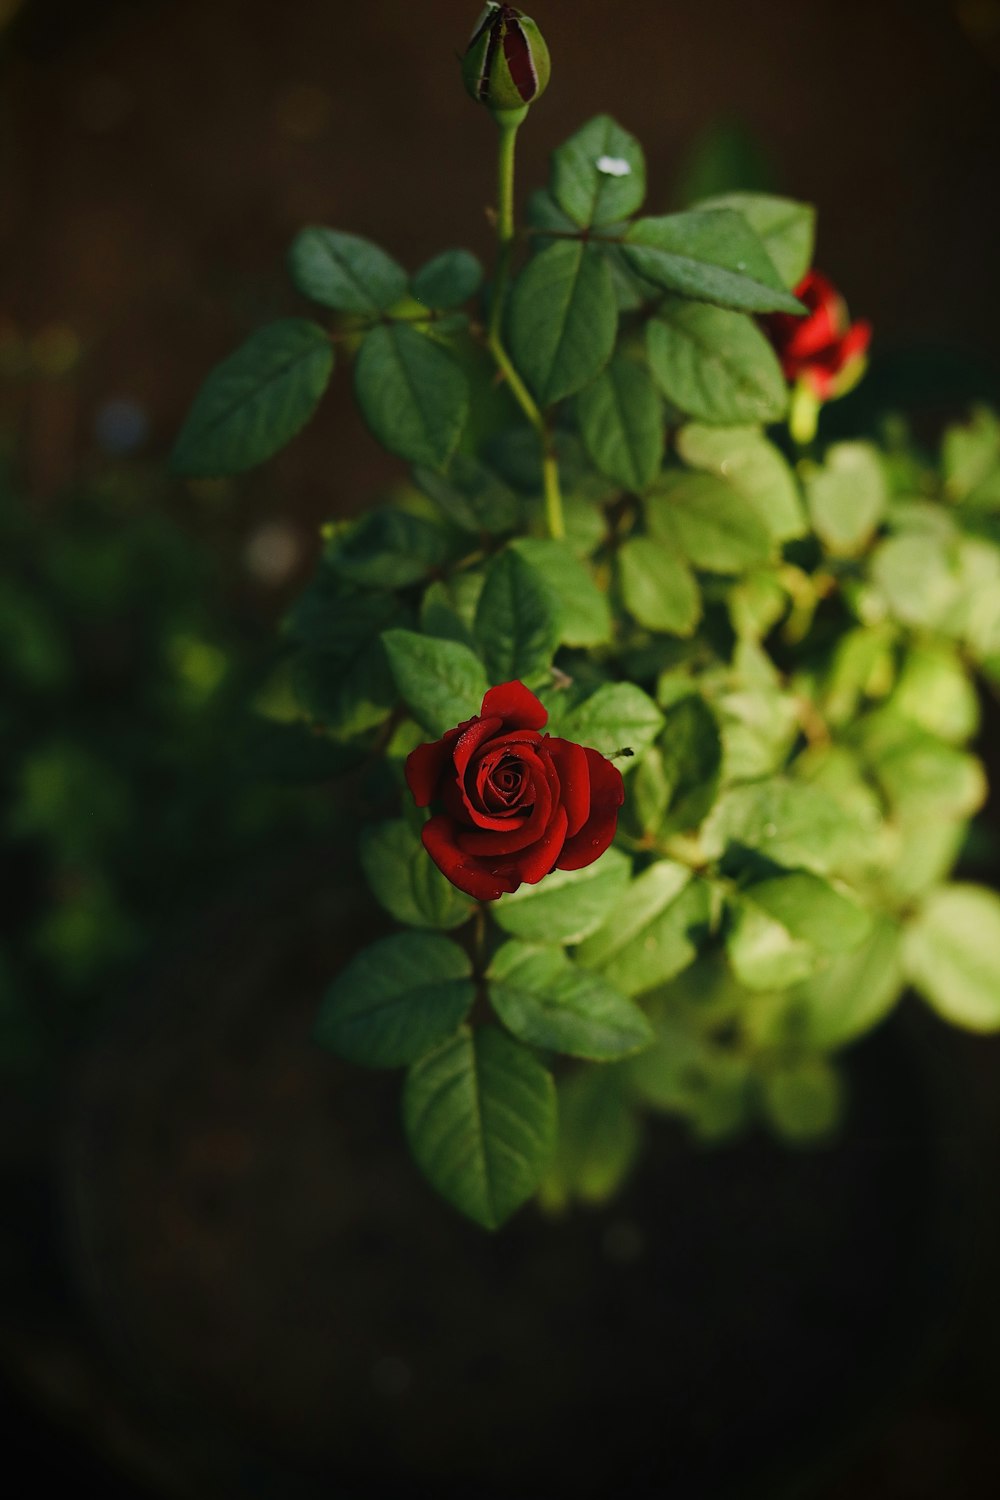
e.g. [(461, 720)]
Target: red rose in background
[(824, 350), (515, 803)]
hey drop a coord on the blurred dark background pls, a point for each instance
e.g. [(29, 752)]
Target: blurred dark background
[(217, 1276)]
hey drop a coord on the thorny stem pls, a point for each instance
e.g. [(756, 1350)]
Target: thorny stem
[(505, 237)]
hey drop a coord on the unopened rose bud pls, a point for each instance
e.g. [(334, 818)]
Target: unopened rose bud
[(506, 65)]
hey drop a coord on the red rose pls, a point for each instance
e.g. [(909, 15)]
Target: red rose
[(515, 803), (823, 349)]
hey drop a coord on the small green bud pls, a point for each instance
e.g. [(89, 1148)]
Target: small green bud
[(506, 65)]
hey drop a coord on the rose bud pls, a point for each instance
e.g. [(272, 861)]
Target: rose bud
[(823, 353), (514, 804), (506, 65)]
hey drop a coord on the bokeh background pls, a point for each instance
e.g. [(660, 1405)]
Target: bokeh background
[(212, 1260)]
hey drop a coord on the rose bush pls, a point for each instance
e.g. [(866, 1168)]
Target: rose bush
[(516, 803)]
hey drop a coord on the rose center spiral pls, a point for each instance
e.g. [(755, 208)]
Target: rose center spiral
[(502, 785)]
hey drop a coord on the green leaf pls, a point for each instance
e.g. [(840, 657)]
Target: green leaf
[(853, 992), (621, 422), (472, 495), (784, 822), (544, 999), (715, 365), (405, 880), (690, 754), (951, 952), (786, 229), (754, 467), (411, 393), (812, 910), (803, 1101), (480, 1117), (441, 682), (584, 612), (652, 932), (616, 716), (345, 271), (568, 905), (971, 460), (562, 319), (921, 777), (935, 691), (448, 280), (448, 609), (255, 401), (388, 548), (599, 174), (341, 674), (709, 521), (599, 1139), (713, 256), (658, 587), (396, 1000), (517, 620), (847, 498), (763, 953)]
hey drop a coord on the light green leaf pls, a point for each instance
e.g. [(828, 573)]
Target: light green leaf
[(584, 612), (786, 229), (255, 401), (811, 909), (763, 953), (713, 256), (396, 1000), (345, 271), (715, 365), (918, 577), (709, 521), (411, 393), (616, 716), (387, 549), (441, 682), (652, 932), (448, 280), (852, 992), (599, 1139), (951, 952), (658, 587), (562, 319), (922, 777), (567, 905), (971, 460), (621, 422), (935, 691), (847, 498), (517, 620), (786, 822), (405, 880), (803, 1101), (599, 174), (754, 467), (544, 999), (480, 1117)]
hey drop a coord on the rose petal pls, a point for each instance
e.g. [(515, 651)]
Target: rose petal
[(540, 858), (510, 836), (426, 764), (574, 780), (518, 707), (478, 878), (607, 793)]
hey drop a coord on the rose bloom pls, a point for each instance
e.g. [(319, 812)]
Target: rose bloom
[(514, 803), (824, 349)]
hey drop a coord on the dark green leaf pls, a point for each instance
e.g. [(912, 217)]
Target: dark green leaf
[(713, 256), (785, 228), (341, 674), (517, 620), (754, 467), (545, 1000), (658, 587), (442, 682), (690, 753), (345, 271), (567, 905), (599, 1138), (562, 319), (621, 422), (584, 612), (396, 1000), (255, 401), (293, 754), (709, 521), (388, 549), (599, 174), (405, 880), (472, 495), (412, 394), (715, 365), (480, 1116), (448, 280), (803, 1101)]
